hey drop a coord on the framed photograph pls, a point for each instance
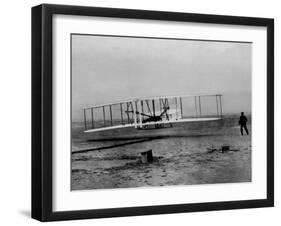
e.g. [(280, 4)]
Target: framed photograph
[(145, 112)]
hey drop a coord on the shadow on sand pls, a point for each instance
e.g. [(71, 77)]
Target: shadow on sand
[(131, 140)]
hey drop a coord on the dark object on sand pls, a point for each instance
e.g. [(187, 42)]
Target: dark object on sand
[(212, 150), (224, 149), (146, 156)]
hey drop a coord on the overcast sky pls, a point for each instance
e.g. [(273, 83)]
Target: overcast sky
[(107, 69)]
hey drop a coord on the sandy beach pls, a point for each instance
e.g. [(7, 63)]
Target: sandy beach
[(182, 156)]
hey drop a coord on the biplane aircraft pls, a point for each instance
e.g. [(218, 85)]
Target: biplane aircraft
[(153, 112)]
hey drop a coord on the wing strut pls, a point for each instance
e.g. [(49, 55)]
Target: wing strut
[(121, 111), (199, 102), (181, 106)]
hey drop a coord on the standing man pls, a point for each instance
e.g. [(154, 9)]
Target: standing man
[(243, 123)]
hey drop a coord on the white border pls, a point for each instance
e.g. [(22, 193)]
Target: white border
[(64, 199)]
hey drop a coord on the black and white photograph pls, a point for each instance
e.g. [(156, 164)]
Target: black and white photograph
[(150, 111), (156, 111)]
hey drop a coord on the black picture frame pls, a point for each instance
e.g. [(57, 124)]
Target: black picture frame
[(42, 111)]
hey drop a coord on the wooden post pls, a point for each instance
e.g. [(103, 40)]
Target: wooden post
[(146, 156), (224, 149)]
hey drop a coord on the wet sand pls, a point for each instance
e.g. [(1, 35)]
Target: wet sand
[(181, 156)]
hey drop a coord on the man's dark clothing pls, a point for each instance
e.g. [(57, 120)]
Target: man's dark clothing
[(243, 124)]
